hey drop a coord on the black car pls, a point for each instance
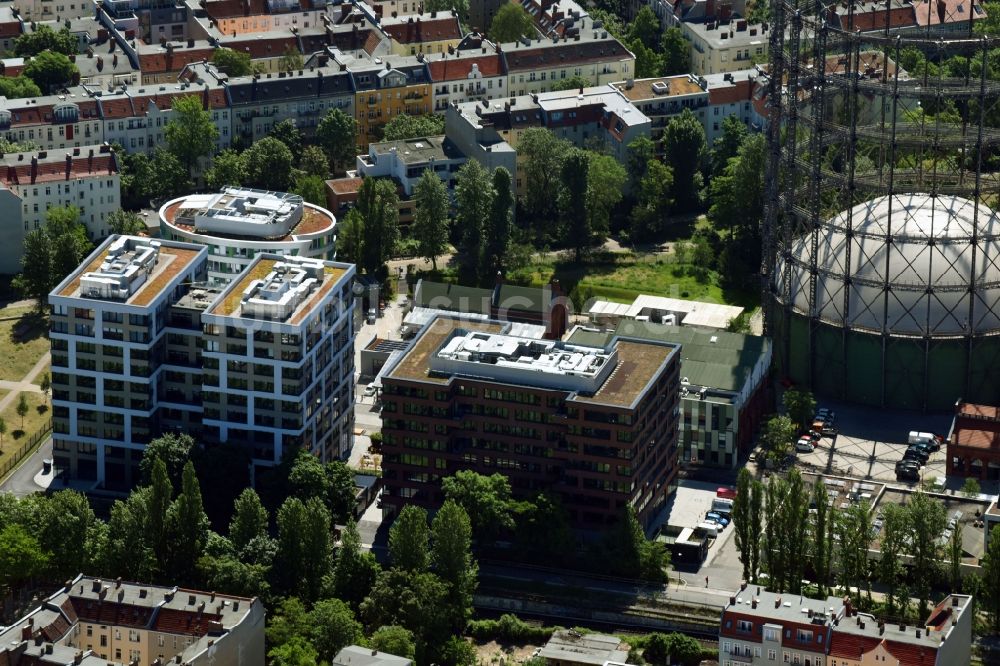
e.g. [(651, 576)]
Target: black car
[(916, 454), (907, 473)]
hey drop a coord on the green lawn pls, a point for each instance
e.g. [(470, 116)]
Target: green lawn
[(23, 340), (35, 420), (622, 277)]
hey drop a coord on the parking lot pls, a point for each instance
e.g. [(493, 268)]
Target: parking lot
[(870, 442)]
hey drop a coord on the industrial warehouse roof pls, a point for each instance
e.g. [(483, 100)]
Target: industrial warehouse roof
[(716, 359)]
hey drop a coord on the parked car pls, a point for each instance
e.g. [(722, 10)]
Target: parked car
[(923, 438), (908, 472), (723, 492), (371, 315), (717, 518), (804, 445), (916, 454), (370, 390), (923, 446), (826, 414)]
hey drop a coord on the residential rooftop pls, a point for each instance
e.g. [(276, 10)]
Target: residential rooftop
[(355, 655), (545, 363), (130, 269), (47, 633), (417, 150), (659, 88), (276, 288), (569, 646), (244, 213), (616, 375)]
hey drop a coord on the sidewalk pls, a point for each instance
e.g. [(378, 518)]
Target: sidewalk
[(26, 383)]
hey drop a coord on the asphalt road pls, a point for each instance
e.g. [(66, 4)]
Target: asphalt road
[(21, 482)]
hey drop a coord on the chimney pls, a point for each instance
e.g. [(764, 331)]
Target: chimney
[(753, 602), (114, 60), (919, 633), (777, 602), (26, 632), (954, 601), (34, 175), (118, 582), (732, 601), (90, 160), (881, 628), (78, 657), (743, 585)]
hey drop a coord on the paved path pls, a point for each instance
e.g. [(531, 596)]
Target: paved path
[(26, 383)]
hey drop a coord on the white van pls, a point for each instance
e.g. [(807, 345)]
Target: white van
[(711, 528), (722, 505), (921, 438)]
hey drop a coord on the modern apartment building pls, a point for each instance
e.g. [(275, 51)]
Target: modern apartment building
[(141, 345), (598, 427), (761, 628), (238, 223), (94, 622), (109, 348), (31, 183), (279, 359)]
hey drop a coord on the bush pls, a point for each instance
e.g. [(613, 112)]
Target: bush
[(508, 629)]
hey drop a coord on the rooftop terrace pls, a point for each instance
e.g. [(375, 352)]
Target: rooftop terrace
[(616, 374), (129, 269), (243, 213), (279, 289)]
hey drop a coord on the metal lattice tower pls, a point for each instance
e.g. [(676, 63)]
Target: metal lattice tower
[(881, 258)]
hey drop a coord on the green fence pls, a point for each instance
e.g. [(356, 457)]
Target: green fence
[(10, 460)]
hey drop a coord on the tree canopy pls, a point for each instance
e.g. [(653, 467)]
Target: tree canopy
[(405, 126), (50, 69), (18, 86), (44, 38), (190, 134), (232, 62), (510, 23)]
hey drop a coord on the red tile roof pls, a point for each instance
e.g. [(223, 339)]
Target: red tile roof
[(54, 170), (943, 12), (565, 54), (258, 48), (738, 91), (110, 612), (457, 69), (174, 621), (911, 655), (852, 646), (10, 29), (116, 108), (425, 30), (172, 61)]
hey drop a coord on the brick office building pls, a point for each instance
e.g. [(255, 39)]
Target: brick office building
[(597, 426), (974, 442)]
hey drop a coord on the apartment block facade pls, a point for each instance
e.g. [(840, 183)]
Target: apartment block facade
[(279, 359), (95, 622), (136, 351), (760, 628), (31, 183), (598, 427)]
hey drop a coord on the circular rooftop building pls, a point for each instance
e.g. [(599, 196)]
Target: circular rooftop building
[(238, 223), (895, 301)]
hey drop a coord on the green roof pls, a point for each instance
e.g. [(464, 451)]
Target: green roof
[(454, 297), (723, 364), (513, 297)]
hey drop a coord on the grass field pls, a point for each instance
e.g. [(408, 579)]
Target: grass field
[(622, 277), (36, 419), (23, 340)]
